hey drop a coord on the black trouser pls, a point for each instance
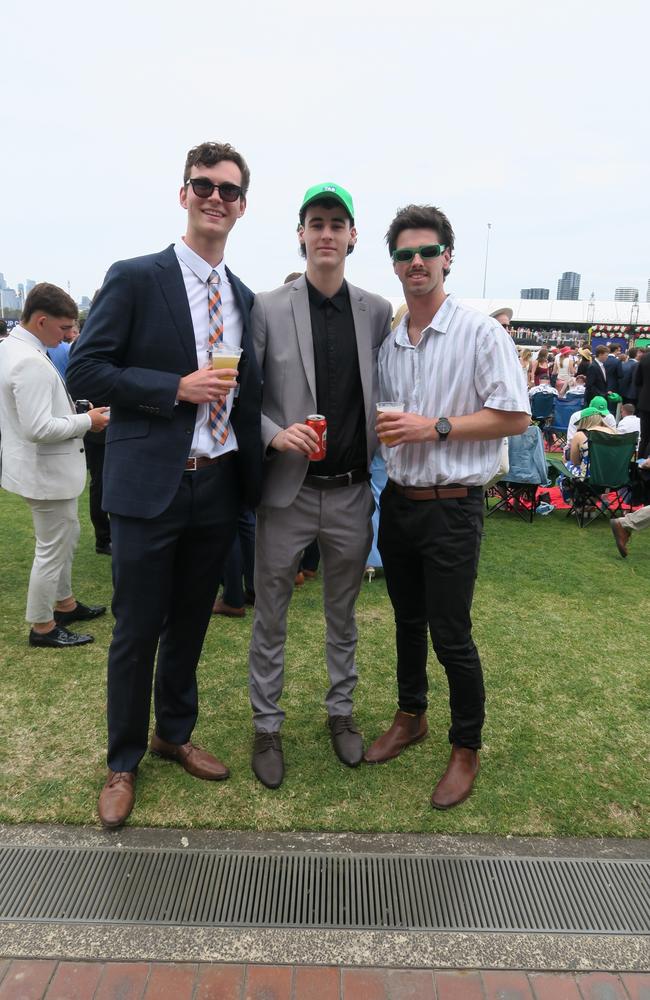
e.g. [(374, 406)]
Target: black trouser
[(166, 571), (430, 551), (239, 568), (99, 517), (644, 417)]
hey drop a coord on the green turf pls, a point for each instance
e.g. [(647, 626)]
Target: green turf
[(560, 620)]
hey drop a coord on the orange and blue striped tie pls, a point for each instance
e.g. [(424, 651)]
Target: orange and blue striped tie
[(218, 413)]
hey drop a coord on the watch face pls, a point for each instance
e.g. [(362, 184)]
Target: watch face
[(443, 426)]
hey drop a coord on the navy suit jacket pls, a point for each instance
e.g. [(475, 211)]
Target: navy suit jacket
[(613, 371), (136, 344), (627, 385), (595, 384)]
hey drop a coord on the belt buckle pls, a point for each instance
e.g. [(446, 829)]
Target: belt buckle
[(190, 465)]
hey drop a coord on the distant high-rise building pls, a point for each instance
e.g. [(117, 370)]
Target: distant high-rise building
[(3, 283), (647, 294), (21, 295), (84, 302), (29, 284), (626, 295), (534, 293), (568, 287), (9, 299)]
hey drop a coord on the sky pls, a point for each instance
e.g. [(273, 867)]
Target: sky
[(531, 117)]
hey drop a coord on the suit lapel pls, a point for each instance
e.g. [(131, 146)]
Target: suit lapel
[(171, 283), (363, 333), (302, 319)]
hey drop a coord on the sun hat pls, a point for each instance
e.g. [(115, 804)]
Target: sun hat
[(329, 190), (505, 311), (565, 350), (599, 404), (585, 353)]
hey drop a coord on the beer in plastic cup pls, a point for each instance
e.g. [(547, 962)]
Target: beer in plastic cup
[(225, 356), (387, 406)]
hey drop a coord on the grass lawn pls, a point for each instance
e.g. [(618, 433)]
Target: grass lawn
[(559, 620)]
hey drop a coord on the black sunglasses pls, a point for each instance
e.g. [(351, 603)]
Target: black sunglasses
[(408, 253), (203, 188)]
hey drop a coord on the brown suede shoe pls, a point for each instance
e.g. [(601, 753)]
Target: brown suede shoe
[(116, 799), (406, 729), (457, 781), (220, 608), (197, 762), (621, 536)]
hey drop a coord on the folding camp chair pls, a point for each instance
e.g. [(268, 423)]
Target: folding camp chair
[(517, 491), (563, 410), (541, 407), (610, 456)]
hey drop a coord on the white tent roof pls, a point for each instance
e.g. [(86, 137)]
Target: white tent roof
[(532, 312)]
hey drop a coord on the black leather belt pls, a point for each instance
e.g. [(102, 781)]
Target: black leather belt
[(451, 492), (193, 464), (335, 482)]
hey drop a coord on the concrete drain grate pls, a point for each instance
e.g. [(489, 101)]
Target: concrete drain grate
[(329, 891)]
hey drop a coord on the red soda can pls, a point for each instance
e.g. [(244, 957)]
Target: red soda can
[(319, 423)]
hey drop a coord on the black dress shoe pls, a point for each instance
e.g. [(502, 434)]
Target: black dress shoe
[(59, 638), (104, 550), (82, 613), (268, 759), (346, 739)]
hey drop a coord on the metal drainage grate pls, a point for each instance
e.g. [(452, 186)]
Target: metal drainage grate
[(207, 888)]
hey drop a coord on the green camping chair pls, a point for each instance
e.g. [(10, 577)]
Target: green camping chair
[(610, 456)]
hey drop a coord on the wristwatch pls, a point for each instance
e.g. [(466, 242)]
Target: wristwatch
[(443, 428)]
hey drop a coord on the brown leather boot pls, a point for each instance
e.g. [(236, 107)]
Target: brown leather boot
[(621, 536), (406, 729), (116, 799), (457, 781)]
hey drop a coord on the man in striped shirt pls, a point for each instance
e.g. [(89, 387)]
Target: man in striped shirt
[(458, 375)]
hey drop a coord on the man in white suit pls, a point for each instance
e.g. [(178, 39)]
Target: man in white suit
[(316, 340), (42, 458)]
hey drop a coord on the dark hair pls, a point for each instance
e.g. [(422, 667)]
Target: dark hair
[(292, 277), (3, 327), (323, 203), (49, 299), (601, 349), (632, 353), (628, 408), (614, 347), (209, 153), (421, 217)]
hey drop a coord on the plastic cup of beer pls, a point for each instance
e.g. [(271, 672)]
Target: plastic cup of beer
[(386, 406), (225, 356)]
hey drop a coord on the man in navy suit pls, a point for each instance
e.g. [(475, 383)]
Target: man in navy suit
[(596, 384), (627, 383), (183, 457)]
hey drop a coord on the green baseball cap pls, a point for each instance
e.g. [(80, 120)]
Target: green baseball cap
[(589, 411), (329, 190), (599, 403)]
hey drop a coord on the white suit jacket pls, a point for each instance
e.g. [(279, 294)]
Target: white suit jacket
[(41, 449)]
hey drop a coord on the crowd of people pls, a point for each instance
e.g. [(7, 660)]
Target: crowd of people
[(211, 399)]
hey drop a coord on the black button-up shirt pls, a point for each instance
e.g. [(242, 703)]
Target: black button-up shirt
[(339, 395)]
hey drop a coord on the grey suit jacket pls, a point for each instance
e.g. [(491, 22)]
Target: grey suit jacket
[(284, 347)]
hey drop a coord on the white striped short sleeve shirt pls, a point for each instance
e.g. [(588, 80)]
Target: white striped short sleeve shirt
[(463, 362)]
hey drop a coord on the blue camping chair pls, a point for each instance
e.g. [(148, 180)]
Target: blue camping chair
[(517, 491), (562, 413)]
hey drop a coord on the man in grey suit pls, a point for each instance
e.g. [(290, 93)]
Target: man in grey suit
[(316, 340)]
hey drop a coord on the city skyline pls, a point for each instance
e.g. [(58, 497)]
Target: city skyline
[(485, 133)]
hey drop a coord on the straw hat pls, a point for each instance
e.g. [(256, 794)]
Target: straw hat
[(585, 353)]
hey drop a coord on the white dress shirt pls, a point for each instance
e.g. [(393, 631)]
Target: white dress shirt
[(629, 425), (463, 362), (196, 272)]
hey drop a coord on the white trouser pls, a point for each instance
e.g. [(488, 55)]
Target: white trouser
[(638, 520), (56, 527)]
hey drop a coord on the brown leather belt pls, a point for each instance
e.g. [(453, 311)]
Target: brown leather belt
[(193, 464), (431, 492), (334, 482)]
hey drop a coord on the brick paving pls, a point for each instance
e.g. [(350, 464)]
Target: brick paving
[(34, 980)]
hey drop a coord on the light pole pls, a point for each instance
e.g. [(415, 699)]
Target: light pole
[(487, 251)]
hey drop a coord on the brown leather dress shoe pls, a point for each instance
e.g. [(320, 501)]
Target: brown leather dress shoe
[(300, 579), (116, 799), (220, 608), (406, 729), (197, 762), (621, 536), (457, 781)]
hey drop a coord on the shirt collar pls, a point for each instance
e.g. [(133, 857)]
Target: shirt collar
[(317, 298), (438, 324), (28, 338), (197, 265)]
